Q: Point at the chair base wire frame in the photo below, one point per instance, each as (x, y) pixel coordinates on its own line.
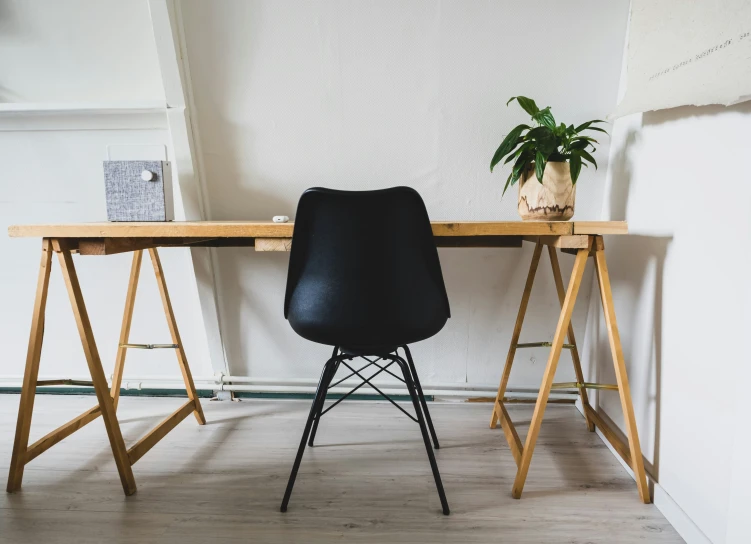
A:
(410, 380)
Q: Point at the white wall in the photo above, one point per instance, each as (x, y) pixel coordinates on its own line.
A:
(681, 291)
(51, 172)
(77, 51)
(367, 94)
(290, 95)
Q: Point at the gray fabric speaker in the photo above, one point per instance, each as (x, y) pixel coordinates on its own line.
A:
(138, 190)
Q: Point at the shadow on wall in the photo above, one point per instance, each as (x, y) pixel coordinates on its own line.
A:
(622, 173)
(637, 267)
(636, 264)
(661, 117)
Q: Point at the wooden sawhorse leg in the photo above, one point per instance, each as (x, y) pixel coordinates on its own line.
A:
(106, 397)
(584, 247)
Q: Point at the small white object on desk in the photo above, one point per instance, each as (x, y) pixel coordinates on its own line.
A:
(147, 175)
(281, 219)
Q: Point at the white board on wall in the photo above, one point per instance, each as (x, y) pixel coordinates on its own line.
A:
(687, 52)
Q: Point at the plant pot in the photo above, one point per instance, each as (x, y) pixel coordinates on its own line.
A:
(551, 200)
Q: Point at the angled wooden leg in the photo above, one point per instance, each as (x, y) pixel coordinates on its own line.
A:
(497, 410)
(106, 403)
(130, 300)
(33, 354)
(571, 340)
(182, 360)
(547, 380)
(637, 462)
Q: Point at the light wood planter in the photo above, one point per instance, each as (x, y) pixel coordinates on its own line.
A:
(551, 200)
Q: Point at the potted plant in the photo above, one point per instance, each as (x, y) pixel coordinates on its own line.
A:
(554, 154)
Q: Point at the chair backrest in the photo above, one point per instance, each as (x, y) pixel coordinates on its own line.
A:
(366, 261)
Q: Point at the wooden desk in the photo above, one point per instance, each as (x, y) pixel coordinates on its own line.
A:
(580, 238)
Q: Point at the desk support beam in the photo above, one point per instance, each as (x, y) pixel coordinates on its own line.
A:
(572, 340)
(621, 376)
(106, 403)
(497, 412)
(33, 356)
(631, 453)
(552, 365)
(107, 396)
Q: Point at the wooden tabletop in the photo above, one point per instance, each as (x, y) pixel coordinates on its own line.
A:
(268, 229)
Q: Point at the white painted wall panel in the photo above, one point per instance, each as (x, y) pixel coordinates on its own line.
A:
(77, 51)
(679, 283)
(56, 176)
(362, 95)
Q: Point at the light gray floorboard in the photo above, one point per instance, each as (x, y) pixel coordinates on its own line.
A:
(367, 480)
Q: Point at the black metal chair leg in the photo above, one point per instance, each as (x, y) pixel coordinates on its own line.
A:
(325, 385)
(423, 429)
(320, 395)
(425, 410)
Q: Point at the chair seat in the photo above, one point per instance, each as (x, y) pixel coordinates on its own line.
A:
(362, 335)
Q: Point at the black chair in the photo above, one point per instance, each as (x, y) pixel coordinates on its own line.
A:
(364, 277)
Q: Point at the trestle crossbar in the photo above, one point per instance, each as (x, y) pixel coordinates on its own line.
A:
(149, 346)
(64, 381)
(543, 345)
(585, 385)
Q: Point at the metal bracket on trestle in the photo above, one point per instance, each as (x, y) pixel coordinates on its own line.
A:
(42, 383)
(543, 345)
(585, 385)
(150, 346)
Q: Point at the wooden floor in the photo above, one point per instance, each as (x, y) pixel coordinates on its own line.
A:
(367, 480)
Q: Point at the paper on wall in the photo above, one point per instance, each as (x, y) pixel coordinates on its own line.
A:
(687, 52)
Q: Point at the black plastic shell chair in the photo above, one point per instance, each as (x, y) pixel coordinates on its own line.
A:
(364, 277)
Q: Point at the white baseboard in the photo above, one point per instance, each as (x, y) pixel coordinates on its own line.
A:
(681, 522)
(439, 391)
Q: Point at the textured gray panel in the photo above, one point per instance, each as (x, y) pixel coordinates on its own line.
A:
(130, 198)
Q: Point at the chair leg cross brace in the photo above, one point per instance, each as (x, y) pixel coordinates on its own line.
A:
(107, 397)
(522, 453)
(421, 417)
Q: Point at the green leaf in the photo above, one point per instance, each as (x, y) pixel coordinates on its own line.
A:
(527, 104)
(541, 134)
(598, 129)
(508, 181)
(576, 167)
(579, 144)
(546, 140)
(521, 164)
(540, 162)
(508, 144)
(544, 117)
(524, 147)
(587, 124)
(536, 132)
(585, 138)
(584, 155)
